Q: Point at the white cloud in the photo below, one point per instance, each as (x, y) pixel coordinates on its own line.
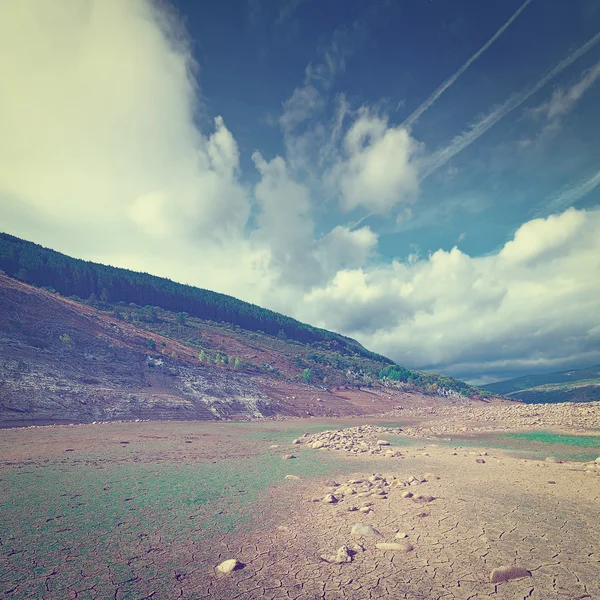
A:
(379, 167)
(563, 100)
(98, 102)
(535, 303)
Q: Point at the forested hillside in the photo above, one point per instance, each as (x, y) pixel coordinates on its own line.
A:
(223, 331)
(42, 267)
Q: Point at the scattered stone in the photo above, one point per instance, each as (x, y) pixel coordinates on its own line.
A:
(401, 535)
(227, 566)
(330, 499)
(365, 509)
(398, 546)
(292, 477)
(421, 498)
(287, 456)
(363, 530)
(340, 557)
(407, 494)
(507, 573)
(480, 461)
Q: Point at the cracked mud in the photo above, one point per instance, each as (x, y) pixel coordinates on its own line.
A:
(155, 518)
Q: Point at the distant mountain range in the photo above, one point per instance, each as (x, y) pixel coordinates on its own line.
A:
(575, 385)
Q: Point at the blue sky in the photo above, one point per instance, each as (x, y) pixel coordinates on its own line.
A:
(420, 175)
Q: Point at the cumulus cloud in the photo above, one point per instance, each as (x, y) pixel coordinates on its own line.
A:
(379, 167)
(98, 102)
(533, 304)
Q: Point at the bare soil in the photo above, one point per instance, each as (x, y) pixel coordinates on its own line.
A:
(149, 509)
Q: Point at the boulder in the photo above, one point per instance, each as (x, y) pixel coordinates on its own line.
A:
(508, 572)
(396, 546)
(363, 530)
(227, 566)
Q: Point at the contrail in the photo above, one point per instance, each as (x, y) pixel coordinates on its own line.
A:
(442, 88)
(462, 141)
(569, 195)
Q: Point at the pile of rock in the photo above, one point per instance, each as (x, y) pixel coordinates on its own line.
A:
(360, 494)
(356, 440)
(452, 420)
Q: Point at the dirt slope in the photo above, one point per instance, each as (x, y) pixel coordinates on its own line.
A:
(61, 360)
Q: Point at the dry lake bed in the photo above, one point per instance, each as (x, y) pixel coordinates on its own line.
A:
(151, 509)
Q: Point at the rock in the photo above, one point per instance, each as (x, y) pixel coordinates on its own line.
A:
(407, 494)
(292, 477)
(340, 557)
(397, 546)
(352, 509)
(554, 459)
(274, 446)
(287, 457)
(227, 566)
(597, 461)
(480, 461)
(401, 535)
(365, 509)
(383, 443)
(421, 498)
(296, 441)
(507, 573)
(329, 499)
(317, 445)
(363, 530)
(430, 477)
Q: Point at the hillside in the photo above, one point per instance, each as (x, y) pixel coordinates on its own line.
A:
(576, 385)
(32, 263)
(65, 358)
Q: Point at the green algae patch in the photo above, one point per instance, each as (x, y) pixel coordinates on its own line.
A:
(545, 437)
(78, 514)
(532, 444)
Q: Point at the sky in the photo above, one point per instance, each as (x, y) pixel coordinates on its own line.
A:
(421, 175)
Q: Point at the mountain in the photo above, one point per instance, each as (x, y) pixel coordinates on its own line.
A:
(576, 385)
(109, 357)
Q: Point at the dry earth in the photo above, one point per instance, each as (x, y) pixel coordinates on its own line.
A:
(456, 516)
(472, 512)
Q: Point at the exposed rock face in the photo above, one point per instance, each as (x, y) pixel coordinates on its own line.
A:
(62, 361)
